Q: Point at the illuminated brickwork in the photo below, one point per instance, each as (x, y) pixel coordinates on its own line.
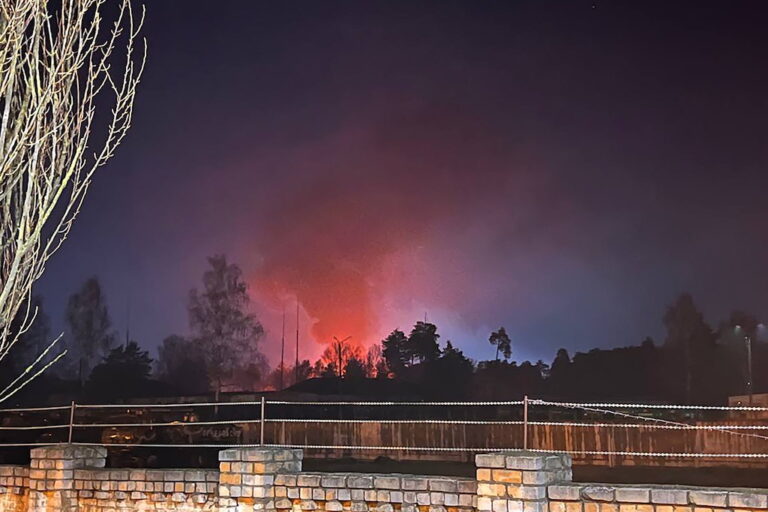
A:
(74, 479)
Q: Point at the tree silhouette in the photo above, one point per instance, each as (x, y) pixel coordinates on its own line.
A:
(338, 354)
(560, 373)
(690, 337)
(227, 333)
(422, 343)
(67, 103)
(355, 369)
(395, 351)
(124, 373)
(181, 364)
(502, 342)
(303, 372)
(449, 375)
(90, 327)
(375, 364)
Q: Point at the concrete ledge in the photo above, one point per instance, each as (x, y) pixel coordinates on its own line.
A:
(267, 479)
(745, 499)
(564, 492)
(669, 496)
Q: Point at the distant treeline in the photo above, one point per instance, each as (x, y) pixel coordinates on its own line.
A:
(695, 363)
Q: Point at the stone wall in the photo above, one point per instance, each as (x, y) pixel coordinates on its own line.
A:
(74, 479)
(517, 482)
(105, 490)
(70, 478)
(272, 479)
(601, 498)
(14, 488)
(534, 482)
(355, 492)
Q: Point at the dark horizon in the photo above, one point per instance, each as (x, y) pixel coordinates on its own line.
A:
(563, 169)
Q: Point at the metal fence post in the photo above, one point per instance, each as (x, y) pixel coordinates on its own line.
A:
(261, 423)
(71, 421)
(525, 422)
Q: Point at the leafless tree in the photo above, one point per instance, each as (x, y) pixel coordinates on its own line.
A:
(227, 333)
(57, 64)
(375, 364)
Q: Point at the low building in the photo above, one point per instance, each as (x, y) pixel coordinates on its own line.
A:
(757, 400)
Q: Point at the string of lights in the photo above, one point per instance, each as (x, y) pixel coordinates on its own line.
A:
(680, 426)
(534, 401)
(531, 402)
(724, 429)
(607, 409)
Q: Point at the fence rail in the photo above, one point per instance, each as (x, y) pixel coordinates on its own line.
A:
(588, 439)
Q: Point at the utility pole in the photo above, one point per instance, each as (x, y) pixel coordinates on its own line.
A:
(127, 321)
(748, 342)
(339, 346)
(282, 352)
(296, 368)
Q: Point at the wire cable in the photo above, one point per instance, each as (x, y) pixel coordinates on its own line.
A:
(533, 401)
(374, 404)
(33, 427)
(423, 448)
(643, 418)
(37, 409)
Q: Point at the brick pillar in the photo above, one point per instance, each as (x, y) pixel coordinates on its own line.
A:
(247, 476)
(517, 481)
(51, 475)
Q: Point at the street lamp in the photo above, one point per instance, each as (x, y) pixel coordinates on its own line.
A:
(748, 344)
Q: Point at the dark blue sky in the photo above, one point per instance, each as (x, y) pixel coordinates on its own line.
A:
(564, 169)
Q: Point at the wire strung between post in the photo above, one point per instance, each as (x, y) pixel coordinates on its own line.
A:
(725, 430)
(34, 427)
(165, 424)
(407, 448)
(403, 448)
(434, 422)
(37, 409)
(532, 401)
(680, 426)
(374, 404)
(162, 406)
(650, 406)
(602, 408)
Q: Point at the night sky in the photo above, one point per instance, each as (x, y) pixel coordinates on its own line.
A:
(564, 169)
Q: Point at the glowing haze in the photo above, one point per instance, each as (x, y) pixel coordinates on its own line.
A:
(563, 169)
(365, 242)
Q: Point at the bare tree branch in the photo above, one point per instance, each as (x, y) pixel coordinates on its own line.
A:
(55, 69)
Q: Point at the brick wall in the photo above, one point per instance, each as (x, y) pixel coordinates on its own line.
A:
(517, 482)
(266, 478)
(535, 482)
(626, 498)
(14, 488)
(69, 478)
(355, 492)
(73, 479)
(106, 490)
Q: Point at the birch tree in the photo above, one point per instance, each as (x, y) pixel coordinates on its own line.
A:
(61, 64)
(227, 333)
(90, 328)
